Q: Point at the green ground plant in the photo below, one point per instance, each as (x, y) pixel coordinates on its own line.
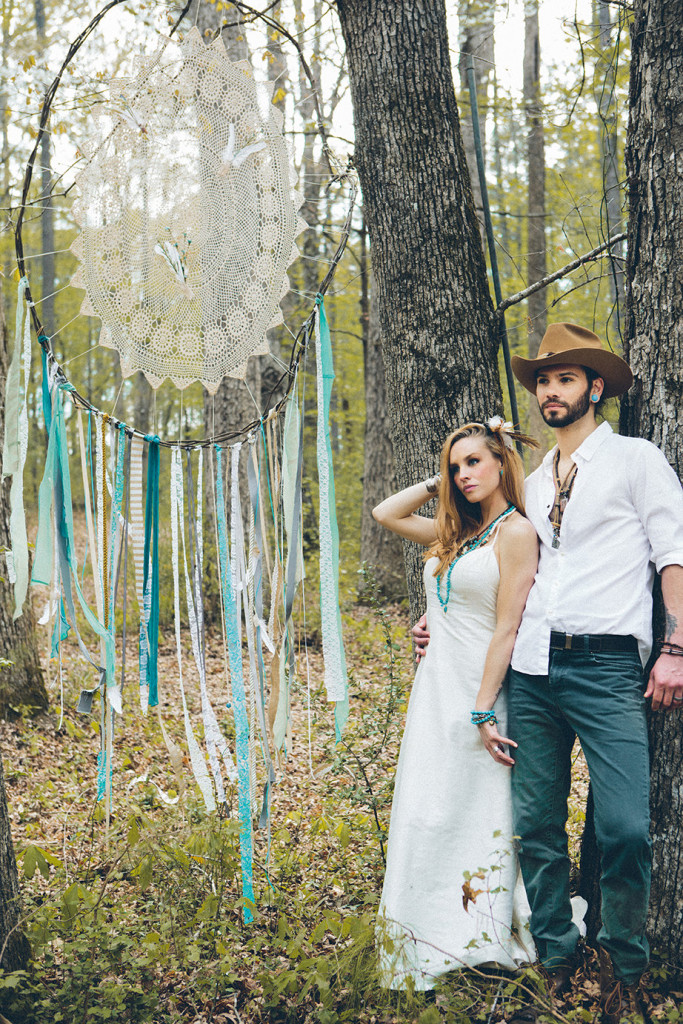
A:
(145, 925)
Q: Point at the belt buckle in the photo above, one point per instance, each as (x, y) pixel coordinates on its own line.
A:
(568, 641)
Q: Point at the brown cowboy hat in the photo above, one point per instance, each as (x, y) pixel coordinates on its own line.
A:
(570, 344)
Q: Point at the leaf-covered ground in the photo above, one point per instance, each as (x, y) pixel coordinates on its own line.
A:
(141, 920)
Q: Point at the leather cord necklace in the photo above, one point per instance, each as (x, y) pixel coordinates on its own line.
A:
(563, 490)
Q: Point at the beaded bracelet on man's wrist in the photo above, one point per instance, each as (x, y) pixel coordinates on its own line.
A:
(483, 718)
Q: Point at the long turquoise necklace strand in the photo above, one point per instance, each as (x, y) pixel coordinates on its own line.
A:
(468, 546)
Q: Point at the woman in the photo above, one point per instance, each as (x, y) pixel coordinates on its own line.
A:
(450, 896)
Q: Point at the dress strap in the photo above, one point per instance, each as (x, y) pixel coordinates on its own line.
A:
(493, 536)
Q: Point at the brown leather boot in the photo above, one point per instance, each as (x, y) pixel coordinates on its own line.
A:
(620, 1003)
(560, 982)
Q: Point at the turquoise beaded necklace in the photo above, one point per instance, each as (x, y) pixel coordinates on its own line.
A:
(469, 545)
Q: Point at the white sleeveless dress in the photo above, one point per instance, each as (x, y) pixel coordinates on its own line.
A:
(451, 811)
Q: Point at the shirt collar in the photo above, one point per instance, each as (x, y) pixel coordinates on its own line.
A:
(586, 449)
(589, 447)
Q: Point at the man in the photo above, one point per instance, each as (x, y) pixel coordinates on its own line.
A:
(608, 510)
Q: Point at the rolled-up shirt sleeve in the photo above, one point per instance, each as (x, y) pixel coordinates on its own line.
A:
(658, 499)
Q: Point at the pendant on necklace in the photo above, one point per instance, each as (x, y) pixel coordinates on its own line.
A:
(556, 541)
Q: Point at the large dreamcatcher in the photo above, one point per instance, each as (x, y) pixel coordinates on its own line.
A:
(187, 215)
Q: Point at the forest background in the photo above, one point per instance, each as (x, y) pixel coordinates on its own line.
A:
(554, 122)
(573, 106)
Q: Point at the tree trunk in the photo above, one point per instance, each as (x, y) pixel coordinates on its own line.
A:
(47, 218)
(21, 682)
(12, 939)
(537, 266)
(271, 371)
(380, 549)
(475, 37)
(653, 344)
(607, 111)
(309, 175)
(435, 311)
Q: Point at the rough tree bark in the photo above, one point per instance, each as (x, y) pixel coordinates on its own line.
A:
(47, 218)
(21, 682)
(537, 266)
(236, 402)
(278, 75)
(14, 946)
(309, 175)
(435, 310)
(475, 37)
(379, 548)
(653, 344)
(606, 74)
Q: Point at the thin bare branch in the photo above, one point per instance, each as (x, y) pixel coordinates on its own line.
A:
(574, 265)
(272, 23)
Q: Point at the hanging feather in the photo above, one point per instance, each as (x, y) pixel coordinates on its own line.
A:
(230, 158)
(171, 256)
(126, 113)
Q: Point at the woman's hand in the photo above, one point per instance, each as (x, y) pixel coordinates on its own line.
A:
(421, 638)
(494, 743)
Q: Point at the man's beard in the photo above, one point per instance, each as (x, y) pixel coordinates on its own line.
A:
(570, 414)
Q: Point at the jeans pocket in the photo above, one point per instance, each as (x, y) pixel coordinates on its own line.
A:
(621, 672)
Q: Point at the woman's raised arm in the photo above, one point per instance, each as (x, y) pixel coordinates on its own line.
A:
(397, 513)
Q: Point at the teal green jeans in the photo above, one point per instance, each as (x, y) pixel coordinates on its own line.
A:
(599, 698)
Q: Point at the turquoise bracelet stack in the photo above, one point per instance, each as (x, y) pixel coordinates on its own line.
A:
(483, 717)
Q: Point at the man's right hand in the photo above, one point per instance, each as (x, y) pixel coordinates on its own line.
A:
(421, 637)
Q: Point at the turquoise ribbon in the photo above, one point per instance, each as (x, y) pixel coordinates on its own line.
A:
(56, 486)
(151, 568)
(61, 627)
(330, 612)
(239, 700)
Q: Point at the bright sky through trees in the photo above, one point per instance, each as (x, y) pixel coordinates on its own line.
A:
(557, 29)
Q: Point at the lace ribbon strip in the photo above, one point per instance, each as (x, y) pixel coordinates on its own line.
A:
(121, 509)
(333, 645)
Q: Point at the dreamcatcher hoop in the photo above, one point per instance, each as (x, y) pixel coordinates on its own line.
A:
(112, 471)
(301, 338)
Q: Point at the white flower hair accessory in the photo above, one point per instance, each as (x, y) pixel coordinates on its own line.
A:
(497, 425)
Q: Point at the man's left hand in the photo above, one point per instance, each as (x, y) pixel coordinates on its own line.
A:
(665, 684)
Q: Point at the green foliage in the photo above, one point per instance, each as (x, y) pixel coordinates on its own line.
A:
(145, 926)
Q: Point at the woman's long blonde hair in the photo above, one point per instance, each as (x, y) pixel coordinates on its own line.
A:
(456, 518)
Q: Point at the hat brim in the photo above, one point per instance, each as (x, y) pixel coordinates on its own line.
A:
(614, 370)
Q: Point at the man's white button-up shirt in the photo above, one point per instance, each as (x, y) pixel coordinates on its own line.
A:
(624, 519)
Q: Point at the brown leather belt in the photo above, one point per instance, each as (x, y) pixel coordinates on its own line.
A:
(588, 643)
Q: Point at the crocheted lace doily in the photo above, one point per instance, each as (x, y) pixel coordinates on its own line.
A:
(188, 215)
